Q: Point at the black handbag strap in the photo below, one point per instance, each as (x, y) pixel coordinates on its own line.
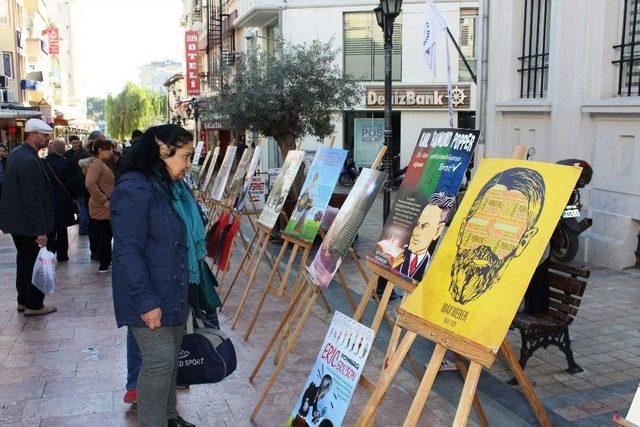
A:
(58, 179)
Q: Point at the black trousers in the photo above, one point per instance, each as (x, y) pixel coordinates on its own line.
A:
(102, 227)
(58, 242)
(93, 238)
(27, 253)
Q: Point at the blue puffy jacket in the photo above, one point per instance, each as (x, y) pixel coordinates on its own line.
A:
(150, 265)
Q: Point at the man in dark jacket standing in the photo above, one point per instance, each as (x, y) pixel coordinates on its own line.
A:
(26, 211)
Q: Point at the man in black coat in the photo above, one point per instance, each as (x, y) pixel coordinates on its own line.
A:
(26, 211)
(60, 173)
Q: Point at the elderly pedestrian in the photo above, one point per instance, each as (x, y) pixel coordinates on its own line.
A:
(60, 173)
(158, 240)
(27, 212)
(99, 182)
(83, 158)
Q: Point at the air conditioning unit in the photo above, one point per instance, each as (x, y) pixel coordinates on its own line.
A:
(4, 81)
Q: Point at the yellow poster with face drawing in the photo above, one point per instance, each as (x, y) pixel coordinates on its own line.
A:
(481, 271)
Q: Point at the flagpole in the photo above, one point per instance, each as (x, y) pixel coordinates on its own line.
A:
(464, 59)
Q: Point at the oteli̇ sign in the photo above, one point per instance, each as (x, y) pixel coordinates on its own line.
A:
(191, 52)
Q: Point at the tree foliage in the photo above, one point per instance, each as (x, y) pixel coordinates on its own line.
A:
(133, 108)
(289, 95)
(95, 108)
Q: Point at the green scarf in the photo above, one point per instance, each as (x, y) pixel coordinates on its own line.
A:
(186, 207)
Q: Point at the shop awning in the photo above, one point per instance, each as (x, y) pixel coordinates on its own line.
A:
(6, 113)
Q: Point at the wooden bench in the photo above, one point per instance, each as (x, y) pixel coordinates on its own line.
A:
(566, 287)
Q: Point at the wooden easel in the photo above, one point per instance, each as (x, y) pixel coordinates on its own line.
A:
(281, 291)
(479, 356)
(303, 301)
(306, 291)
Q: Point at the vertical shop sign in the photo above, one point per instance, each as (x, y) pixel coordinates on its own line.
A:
(191, 52)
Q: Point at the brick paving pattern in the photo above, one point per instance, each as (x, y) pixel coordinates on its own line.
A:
(69, 368)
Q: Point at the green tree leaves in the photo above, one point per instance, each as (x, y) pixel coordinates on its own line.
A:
(133, 108)
(289, 95)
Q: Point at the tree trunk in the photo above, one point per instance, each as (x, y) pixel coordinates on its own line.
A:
(286, 143)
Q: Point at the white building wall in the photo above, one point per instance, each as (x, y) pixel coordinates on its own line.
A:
(581, 117)
(305, 21)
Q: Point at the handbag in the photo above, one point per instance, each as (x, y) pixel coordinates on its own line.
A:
(208, 299)
(206, 356)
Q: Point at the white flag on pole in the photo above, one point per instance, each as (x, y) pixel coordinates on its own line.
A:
(434, 28)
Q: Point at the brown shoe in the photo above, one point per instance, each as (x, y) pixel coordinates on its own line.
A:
(46, 309)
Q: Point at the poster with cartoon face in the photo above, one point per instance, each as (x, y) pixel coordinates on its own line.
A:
(223, 174)
(316, 192)
(425, 201)
(485, 262)
(335, 374)
(280, 188)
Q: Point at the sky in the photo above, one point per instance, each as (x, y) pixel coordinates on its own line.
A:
(112, 38)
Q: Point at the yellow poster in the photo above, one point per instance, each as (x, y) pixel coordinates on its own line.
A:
(481, 271)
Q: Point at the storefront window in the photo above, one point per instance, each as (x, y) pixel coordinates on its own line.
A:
(363, 127)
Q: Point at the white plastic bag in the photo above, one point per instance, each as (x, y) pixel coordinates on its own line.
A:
(44, 271)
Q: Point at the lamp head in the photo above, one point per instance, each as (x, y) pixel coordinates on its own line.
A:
(391, 8)
(379, 15)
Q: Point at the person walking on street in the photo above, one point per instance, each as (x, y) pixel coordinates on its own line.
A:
(76, 185)
(27, 212)
(59, 171)
(83, 158)
(158, 240)
(99, 183)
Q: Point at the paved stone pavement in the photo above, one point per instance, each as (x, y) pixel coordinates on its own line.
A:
(69, 368)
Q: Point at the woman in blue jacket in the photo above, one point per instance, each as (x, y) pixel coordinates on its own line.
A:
(158, 241)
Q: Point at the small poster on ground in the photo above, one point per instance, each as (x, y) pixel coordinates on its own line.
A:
(316, 192)
(248, 179)
(481, 271)
(223, 174)
(345, 226)
(280, 188)
(210, 168)
(426, 198)
(368, 138)
(335, 374)
(233, 188)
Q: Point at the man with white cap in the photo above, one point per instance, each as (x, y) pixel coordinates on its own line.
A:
(27, 212)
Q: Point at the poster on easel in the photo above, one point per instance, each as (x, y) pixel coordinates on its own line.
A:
(257, 194)
(223, 174)
(345, 226)
(322, 177)
(198, 152)
(210, 168)
(234, 186)
(248, 179)
(335, 374)
(425, 200)
(280, 188)
(481, 271)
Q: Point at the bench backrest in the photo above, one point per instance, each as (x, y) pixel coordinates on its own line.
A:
(566, 287)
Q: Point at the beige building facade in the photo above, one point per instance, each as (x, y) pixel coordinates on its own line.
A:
(561, 78)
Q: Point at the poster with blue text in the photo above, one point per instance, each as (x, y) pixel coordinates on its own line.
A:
(368, 138)
(316, 192)
(335, 374)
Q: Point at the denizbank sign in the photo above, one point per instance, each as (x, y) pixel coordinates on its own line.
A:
(428, 97)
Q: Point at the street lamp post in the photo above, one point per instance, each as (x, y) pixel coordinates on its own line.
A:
(193, 110)
(386, 13)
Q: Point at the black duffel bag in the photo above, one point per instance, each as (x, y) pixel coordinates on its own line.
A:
(206, 356)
